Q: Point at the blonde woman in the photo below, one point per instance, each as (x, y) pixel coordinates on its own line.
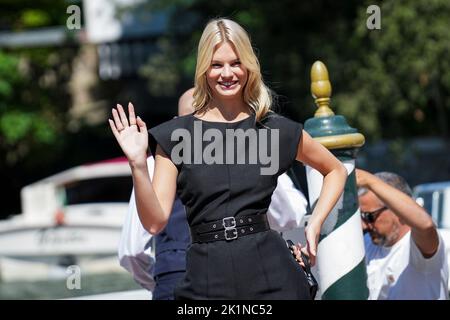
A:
(223, 161)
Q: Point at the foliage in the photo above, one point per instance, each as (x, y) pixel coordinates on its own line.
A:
(398, 80)
(34, 99)
(388, 83)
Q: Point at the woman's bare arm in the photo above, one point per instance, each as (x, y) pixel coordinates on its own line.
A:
(154, 200)
(313, 154)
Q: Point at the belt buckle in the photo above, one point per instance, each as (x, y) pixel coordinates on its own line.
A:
(229, 223)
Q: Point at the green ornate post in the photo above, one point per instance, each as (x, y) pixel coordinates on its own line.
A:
(340, 264)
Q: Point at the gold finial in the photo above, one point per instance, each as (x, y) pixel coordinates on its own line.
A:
(321, 89)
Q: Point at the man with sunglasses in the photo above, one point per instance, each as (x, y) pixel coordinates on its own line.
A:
(405, 255)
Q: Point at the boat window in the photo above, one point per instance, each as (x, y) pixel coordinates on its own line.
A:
(440, 210)
(446, 209)
(110, 189)
(433, 203)
(425, 199)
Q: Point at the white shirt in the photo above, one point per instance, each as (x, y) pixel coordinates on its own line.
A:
(135, 250)
(401, 272)
(286, 211)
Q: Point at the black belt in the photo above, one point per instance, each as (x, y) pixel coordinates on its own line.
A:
(229, 228)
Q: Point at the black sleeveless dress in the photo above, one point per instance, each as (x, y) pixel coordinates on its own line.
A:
(255, 266)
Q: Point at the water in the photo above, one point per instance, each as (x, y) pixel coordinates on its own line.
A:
(57, 289)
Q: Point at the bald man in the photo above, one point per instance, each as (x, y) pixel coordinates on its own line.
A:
(405, 255)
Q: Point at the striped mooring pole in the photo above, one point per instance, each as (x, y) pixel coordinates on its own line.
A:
(340, 267)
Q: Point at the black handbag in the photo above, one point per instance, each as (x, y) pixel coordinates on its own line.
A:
(312, 282)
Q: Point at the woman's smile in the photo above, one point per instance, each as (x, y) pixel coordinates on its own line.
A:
(227, 76)
(227, 85)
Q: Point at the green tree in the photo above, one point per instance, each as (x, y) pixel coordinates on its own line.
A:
(392, 82)
(34, 98)
(398, 79)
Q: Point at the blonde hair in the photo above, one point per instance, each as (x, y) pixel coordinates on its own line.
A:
(256, 94)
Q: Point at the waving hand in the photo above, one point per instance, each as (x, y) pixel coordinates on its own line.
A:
(131, 133)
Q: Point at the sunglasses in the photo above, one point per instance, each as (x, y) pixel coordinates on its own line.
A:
(371, 216)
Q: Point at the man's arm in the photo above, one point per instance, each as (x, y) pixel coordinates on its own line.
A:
(423, 230)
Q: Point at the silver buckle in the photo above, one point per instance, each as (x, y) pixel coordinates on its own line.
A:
(229, 223)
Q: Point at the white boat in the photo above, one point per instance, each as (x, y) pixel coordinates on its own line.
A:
(435, 198)
(70, 218)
